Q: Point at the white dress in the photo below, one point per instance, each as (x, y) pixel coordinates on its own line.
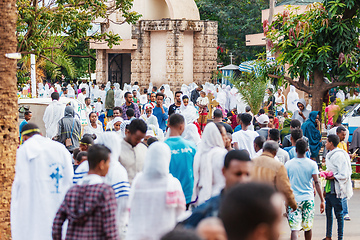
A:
(43, 176)
(53, 113)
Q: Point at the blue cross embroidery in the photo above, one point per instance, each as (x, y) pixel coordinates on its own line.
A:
(57, 176)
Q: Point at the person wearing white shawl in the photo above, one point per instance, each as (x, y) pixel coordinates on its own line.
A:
(115, 125)
(156, 197)
(188, 110)
(116, 177)
(148, 116)
(208, 164)
(53, 113)
(292, 99)
(191, 133)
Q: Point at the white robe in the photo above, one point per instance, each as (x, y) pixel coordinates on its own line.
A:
(86, 86)
(43, 176)
(53, 113)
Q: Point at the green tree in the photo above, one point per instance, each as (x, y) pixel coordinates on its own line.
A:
(251, 88)
(321, 46)
(236, 19)
(52, 29)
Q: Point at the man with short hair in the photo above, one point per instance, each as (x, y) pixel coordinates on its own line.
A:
(237, 168)
(117, 112)
(81, 96)
(195, 94)
(294, 136)
(268, 170)
(218, 118)
(27, 117)
(176, 105)
(258, 144)
(302, 114)
(88, 108)
(302, 171)
(85, 85)
(338, 186)
(43, 174)
(52, 115)
(263, 121)
(282, 155)
(160, 111)
(64, 92)
(133, 152)
(252, 211)
(294, 124)
(271, 99)
(244, 138)
(129, 104)
(135, 98)
(182, 155)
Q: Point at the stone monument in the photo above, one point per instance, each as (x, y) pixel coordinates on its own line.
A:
(168, 45)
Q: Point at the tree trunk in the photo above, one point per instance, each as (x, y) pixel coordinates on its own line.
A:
(8, 107)
(317, 91)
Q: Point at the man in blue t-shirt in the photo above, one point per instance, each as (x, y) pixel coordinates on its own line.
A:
(161, 112)
(27, 116)
(302, 171)
(182, 155)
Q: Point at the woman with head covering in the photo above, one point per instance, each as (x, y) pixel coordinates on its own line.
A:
(208, 163)
(95, 126)
(148, 117)
(69, 129)
(292, 99)
(188, 110)
(156, 197)
(191, 133)
(311, 130)
(115, 124)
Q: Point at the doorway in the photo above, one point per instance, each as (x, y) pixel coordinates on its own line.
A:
(119, 68)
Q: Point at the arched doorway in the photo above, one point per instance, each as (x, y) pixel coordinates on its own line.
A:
(119, 68)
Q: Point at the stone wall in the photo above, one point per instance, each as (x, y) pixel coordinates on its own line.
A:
(204, 50)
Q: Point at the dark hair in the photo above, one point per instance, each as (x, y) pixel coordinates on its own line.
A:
(270, 89)
(30, 126)
(145, 91)
(271, 112)
(87, 139)
(93, 136)
(301, 146)
(80, 155)
(55, 96)
(229, 114)
(130, 113)
(274, 134)
(340, 129)
(296, 134)
(136, 83)
(64, 89)
(96, 154)
(76, 152)
(181, 234)
(334, 139)
(259, 140)
(271, 117)
(246, 118)
(261, 111)
(134, 90)
(176, 119)
(332, 99)
(92, 113)
(178, 92)
(118, 108)
(159, 94)
(154, 88)
(295, 123)
(185, 97)
(339, 119)
(83, 89)
(200, 86)
(137, 125)
(246, 206)
(86, 98)
(27, 112)
(239, 155)
(218, 113)
(126, 94)
(162, 88)
(151, 140)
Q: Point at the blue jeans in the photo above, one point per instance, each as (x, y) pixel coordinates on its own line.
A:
(345, 206)
(331, 201)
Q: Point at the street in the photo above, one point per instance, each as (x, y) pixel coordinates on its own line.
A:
(351, 229)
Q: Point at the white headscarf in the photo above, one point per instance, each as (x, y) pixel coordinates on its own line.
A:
(208, 158)
(292, 99)
(156, 197)
(189, 112)
(115, 120)
(191, 133)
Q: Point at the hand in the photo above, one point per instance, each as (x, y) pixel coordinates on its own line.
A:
(352, 156)
(330, 178)
(322, 207)
(301, 113)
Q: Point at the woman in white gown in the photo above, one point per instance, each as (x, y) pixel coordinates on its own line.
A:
(156, 197)
(208, 163)
(95, 126)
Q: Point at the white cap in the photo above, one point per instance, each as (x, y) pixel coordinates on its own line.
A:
(263, 119)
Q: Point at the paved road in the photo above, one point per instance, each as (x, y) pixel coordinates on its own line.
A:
(351, 230)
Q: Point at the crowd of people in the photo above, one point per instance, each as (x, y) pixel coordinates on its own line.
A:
(159, 167)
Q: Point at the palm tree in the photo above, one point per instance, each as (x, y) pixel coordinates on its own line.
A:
(8, 108)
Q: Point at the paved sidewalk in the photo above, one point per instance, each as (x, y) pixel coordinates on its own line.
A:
(351, 229)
